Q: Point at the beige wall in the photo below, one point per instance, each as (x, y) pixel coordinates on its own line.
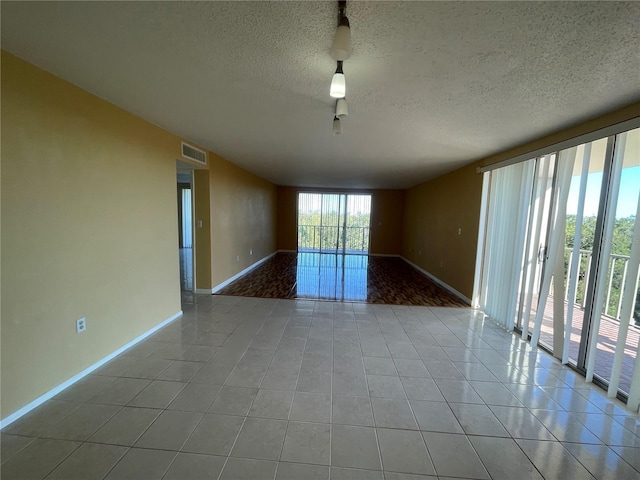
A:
(89, 229)
(387, 207)
(386, 218)
(434, 213)
(243, 219)
(202, 213)
(436, 209)
(287, 236)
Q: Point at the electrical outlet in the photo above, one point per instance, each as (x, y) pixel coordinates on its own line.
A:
(238, 258)
(459, 231)
(81, 325)
(251, 251)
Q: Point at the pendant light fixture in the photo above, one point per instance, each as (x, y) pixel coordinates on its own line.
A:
(337, 127)
(341, 48)
(340, 51)
(338, 83)
(341, 108)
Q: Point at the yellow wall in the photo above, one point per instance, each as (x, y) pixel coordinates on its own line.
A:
(386, 218)
(434, 213)
(287, 235)
(387, 207)
(202, 213)
(243, 218)
(436, 209)
(89, 229)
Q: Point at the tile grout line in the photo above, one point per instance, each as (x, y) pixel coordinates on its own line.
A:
(228, 456)
(366, 381)
(286, 431)
(331, 398)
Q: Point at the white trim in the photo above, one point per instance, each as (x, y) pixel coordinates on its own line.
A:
(193, 232)
(571, 142)
(203, 291)
(438, 281)
(220, 286)
(397, 255)
(67, 383)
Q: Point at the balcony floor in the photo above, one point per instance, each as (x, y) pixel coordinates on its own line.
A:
(607, 338)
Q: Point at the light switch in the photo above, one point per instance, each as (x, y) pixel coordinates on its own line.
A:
(199, 223)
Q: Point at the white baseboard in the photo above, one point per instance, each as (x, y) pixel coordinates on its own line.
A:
(220, 286)
(365, 254)
(204, 291)
(438, 281)
(66, 384)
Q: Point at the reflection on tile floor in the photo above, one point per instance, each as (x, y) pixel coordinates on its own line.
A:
(349, 278)
(257, 388)
(186, 269)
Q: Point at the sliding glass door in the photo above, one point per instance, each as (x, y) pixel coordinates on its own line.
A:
(334, 223)
(618, 296)
(562, 229)
(536, 241)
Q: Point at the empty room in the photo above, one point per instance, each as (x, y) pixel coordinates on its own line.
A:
(329, 240)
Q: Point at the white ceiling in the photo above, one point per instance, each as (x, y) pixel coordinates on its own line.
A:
(431, 86)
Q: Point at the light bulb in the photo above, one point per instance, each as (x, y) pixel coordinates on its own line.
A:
(338, 83)
(337, 127)
(341, 48)
(341, 108)
(338, 86)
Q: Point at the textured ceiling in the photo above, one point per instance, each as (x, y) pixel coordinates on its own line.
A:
(431, 86)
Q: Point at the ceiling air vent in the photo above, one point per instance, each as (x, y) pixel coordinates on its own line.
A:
(193, 153)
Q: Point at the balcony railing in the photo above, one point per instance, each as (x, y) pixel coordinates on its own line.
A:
(617, 275)
(316, 238)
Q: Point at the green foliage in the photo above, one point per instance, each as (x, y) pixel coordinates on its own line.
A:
(332, 233)
(621, 243)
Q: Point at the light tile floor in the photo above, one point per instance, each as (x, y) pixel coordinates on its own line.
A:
(249, 388)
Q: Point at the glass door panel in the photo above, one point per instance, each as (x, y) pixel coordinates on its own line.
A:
(568, 232)
(331, 222)
(581, 212)
(357, 224)
(536, 241)
(620, 313)
(309, 221)
(334, 223)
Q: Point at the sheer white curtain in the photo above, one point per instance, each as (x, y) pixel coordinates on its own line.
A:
(510, 192)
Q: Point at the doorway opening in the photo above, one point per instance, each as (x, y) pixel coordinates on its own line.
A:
(185, 230)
